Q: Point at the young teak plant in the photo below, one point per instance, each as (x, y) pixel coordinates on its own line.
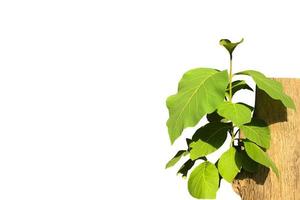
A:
(205, 91)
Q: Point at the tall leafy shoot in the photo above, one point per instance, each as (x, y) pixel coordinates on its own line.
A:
(208, 92)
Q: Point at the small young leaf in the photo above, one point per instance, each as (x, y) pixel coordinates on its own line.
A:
(257, 131)
(184, 169)
(208, 139)
(230, 46)
(237, 113)
(258, 155)
(203, 182)
(247, 163)
(176, 158)
(238, 85)
(200, 91)
(273, 88)
(229, 164)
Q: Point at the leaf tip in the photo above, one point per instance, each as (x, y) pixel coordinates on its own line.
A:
(224, 42)
(293, 107)
(182, 175)
(172, 138)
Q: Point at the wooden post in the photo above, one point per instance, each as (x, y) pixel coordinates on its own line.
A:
(285, 149)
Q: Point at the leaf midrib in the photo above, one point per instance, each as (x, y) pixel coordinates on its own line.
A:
(204, 179)
(193, 96)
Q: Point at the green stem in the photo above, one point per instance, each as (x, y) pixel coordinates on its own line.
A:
(230, 79)
(233, 134)
(232, 138)
(230, 97)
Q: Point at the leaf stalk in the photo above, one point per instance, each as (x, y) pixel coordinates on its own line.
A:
(230, 79)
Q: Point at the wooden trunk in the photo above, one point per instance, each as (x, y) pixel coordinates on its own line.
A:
(285, 150)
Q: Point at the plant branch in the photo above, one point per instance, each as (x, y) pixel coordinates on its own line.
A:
(230, 79)
(232, 137)
(230, 98)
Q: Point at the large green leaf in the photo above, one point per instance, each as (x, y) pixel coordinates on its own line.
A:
(208, 139)
(238, 85)
(258, 132)
(273, 88)
(247, 163)
(204, 181)
(258, 155)
(176, 158)
(237, 113)
(200, 91)
(229, 164)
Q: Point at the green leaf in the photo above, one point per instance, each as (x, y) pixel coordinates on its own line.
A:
(238, 85)
(248, 106)
(273, 88)
(176, 158)
(184, 169)
(200, 92)
(229, 164)
(214, 117)
(230, 46)
(208, 139)
(237, 113)
(247, 163)
(258, 155)
(257, 131)
(188, 142)
(203, 182)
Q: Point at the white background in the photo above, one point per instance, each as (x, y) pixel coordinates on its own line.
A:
(83, 87)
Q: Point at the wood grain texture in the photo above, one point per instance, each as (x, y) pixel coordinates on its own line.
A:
(285, 150)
